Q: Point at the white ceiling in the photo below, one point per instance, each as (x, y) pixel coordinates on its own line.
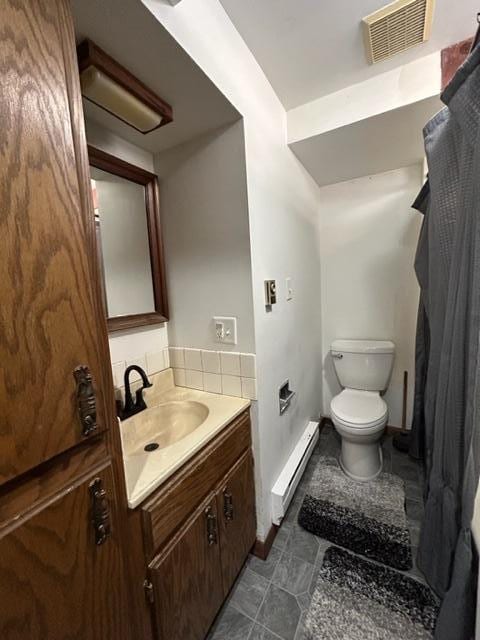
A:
(309, 48)
(132, 35)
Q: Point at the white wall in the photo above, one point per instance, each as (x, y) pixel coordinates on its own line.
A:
(131, 345)
(369, 236)
(283, 216)
(203, 197)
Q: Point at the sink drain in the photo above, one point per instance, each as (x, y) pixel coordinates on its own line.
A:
(151, 446)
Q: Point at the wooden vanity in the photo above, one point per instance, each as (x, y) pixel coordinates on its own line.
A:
(198, 529)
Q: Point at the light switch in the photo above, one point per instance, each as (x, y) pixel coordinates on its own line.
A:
(225, 329)
(289, 288)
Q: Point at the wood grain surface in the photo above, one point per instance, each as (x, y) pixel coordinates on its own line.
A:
(237, 532)
(49, 312)
(55, 583)
(187, 581)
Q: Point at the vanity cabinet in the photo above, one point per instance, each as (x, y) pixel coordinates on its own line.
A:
(198, 530)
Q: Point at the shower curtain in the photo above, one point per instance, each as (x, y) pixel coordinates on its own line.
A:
(446, 426)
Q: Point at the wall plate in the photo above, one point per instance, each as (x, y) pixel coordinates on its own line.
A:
(225, 329)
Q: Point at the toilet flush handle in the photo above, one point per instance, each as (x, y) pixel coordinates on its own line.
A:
(337, 356)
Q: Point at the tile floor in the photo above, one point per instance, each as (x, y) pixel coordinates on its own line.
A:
(270, 598)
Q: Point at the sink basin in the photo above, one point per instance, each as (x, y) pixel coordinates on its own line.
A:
(166, 424)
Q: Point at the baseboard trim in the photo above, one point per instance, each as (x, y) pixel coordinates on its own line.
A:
(261, 548)
(325, 422)
(393, 430)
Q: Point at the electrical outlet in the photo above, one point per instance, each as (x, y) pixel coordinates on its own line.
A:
(225, 329)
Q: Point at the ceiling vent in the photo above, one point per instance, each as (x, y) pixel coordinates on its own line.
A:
(397, 27)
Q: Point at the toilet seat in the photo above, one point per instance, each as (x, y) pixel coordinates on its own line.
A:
(359, 411)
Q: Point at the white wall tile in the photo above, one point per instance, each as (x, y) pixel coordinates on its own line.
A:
(249, 388)
(118, 369)
(232, 386)
(193, 359)
(211, 361)
(179, 377)
(177, 357)
(230, 363)
(194, 379)
(212, 382)
(155, 361)
(140, 362)
(247, 365)
(166, 358)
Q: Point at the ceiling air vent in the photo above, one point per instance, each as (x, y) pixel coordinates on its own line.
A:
(397, 27)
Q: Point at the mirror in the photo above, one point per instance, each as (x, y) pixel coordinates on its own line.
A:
(129, 247)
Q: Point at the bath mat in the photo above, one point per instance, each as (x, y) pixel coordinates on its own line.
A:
(355, 599)
(366, 517)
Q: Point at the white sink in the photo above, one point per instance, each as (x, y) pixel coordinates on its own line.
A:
(165, 424)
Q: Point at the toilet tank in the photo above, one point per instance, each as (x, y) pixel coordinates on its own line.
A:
(363, 364)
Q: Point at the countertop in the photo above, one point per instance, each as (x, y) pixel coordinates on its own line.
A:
(146, 471)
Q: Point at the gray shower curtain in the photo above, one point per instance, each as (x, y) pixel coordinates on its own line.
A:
(446, 427)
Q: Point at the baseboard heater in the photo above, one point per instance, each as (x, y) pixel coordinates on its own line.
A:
(292, 472)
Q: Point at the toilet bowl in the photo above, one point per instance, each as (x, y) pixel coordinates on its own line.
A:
(360, 418)
(358, 412)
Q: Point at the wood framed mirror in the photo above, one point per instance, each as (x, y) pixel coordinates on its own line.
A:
(129, 242)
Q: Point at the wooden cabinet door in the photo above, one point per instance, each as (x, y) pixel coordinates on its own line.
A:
(56, 583)
(187, 578)
(237, 521)
(51, 319)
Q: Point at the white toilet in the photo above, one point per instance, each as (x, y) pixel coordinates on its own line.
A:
(359, 413)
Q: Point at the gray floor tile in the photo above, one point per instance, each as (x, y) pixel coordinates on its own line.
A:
(302, 544)
(231, 625)
(322, 547)
(304, 600)
(282, 536)
(413, 490)
(261, 633)
(248, 593)
(293, 574)
(415, 510)
(280, 613)
(266, 567)
(293, 509)
(313, 582)
(301, 630)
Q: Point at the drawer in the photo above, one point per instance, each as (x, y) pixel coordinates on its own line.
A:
(174, 501)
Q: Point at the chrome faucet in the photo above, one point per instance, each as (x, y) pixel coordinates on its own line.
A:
(130, 407)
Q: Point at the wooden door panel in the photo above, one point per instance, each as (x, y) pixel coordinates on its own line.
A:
(49, 313)
(237, 521)
(187, 581)
(55, 582)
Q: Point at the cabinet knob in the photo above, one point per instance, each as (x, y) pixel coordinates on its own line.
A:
(227, 505)
(86, 401)
(212, 534)
(100, 511)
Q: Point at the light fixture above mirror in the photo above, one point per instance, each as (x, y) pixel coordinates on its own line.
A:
(110, 86)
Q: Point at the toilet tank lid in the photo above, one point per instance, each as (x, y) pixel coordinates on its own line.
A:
(363, 346)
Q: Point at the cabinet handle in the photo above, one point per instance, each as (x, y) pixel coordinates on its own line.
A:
(227, 505)
(212, 535)
(100, 511)
(86, 402)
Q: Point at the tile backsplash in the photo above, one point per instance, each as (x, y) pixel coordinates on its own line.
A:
(227, 373)
(151, 362)
(231, 374)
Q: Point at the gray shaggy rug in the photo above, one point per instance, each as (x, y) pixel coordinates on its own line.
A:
(366, 517)
(355, 599)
